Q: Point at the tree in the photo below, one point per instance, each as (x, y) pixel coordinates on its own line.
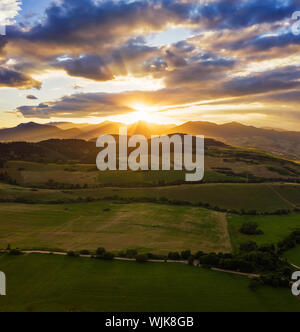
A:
(141, 258)
(100, 251)
(248, 246)
(251, 228)
(71, 254)
(185, 255)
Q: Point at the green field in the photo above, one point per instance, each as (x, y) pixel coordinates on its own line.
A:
(147, 227)
(31, 174)
(275, 228)
(238, 197)
(53, 283)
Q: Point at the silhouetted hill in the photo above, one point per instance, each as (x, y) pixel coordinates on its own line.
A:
(284, 143)
(34, 132)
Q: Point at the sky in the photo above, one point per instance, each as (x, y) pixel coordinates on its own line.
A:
(163, 61)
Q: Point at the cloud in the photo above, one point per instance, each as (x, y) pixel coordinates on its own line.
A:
(16, 79)
(8, 10)
(79, 105)
(280, 79)
(88, 66)
(31, 97)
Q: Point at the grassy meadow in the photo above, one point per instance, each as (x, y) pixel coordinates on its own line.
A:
(54, 283)
(155, 228)
(275, 228)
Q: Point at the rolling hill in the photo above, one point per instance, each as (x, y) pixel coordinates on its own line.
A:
(34, 132)
(284, 143)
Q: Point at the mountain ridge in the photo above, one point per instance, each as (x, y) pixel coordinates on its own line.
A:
(283, 143)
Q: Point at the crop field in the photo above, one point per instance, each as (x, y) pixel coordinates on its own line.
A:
(54, 283)
(237, 197)
(31, 174)
(275, 228)
(146, 227)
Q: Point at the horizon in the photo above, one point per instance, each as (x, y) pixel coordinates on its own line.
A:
(54, 123)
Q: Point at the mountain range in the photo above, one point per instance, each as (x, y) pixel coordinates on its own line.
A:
(283, 143)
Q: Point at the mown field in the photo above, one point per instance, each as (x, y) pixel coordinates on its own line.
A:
(52, 283)
(244, 198)
(275, 228)
(146, 227)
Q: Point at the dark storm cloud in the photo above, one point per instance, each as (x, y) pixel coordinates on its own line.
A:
(79, 105)
(232, 14)
(88, 66)
(265, 43)
(280, 79)
(18, 80)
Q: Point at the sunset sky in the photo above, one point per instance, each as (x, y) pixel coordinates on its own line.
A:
(164, 61)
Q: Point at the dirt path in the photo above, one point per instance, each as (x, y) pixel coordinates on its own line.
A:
(281, 197)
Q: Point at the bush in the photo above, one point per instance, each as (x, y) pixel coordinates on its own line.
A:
(131, 253)
(141, 258)
(174, 256)
(85, 252)
(72, 254)
(248, 246)
(250, 228)
(100, 251)
(15, 252)
(185, 255)
(191, 260)
(107, 256)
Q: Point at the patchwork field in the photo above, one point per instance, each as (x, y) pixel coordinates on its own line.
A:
(52, 283)
(237, 197)
(31, 174)
(146, 227)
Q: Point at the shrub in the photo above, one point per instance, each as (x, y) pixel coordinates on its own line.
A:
(248, 246)
(15, 252)
(131, 253)
(100, 251)
(251, 228)
(185, 255)
(141, 258)
(107, 256)
(84, 252)
(191, 260)
(72, 254)
(174, 256)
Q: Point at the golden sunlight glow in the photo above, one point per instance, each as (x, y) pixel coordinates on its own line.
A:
(143, 112)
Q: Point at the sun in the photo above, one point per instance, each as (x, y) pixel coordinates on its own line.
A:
(143, 112)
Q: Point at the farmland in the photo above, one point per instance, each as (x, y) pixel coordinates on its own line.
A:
(275, 228)
(52, 283)
(145, 227)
